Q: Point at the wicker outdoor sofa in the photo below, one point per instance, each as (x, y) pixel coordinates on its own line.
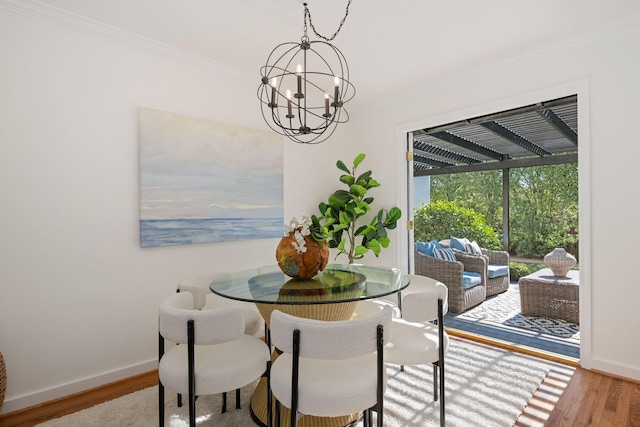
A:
(498, 284)
(495, 285)
(450, 273)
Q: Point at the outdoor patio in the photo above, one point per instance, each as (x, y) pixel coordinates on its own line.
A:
(499, 317)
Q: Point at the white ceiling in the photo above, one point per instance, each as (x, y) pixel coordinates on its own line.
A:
(387, 44)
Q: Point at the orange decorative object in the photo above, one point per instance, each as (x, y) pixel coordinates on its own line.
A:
(301, 261)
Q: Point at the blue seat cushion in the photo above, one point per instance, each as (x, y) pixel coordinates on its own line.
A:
(426, 248)
(496, 270)
(470, 279)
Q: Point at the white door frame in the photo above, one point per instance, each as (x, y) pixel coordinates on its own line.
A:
(405, 189)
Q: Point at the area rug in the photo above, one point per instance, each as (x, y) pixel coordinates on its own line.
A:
(504, 308)
(485, 387)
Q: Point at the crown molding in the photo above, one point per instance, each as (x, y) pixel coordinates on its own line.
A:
(609, 31)
(91, 27)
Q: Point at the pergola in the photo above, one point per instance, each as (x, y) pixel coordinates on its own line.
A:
(545, 133)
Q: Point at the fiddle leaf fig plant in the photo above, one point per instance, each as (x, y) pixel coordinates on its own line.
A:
(341, 219)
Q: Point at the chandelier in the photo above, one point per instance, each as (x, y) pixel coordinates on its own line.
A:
(304, 87)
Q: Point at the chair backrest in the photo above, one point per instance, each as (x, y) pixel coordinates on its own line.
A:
(199, 287)
(422, 306)
(202, 281)
(211, 325)
(330, 340)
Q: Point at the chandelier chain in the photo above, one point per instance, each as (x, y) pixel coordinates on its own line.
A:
(308, 13)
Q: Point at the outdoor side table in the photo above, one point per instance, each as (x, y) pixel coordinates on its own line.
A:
(544, 295)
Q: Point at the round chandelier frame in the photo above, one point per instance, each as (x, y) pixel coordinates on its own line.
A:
(304, 87)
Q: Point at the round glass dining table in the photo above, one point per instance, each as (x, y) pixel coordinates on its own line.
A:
(331, 295)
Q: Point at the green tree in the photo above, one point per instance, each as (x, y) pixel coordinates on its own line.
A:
(544, 209)
(479, 191)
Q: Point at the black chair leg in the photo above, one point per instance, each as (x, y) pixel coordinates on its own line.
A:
(224, 402)
(179, 398)
(192, 410)
(435, 382)
(442, 419)
(238, 399)
(161, 404)
(277, 413)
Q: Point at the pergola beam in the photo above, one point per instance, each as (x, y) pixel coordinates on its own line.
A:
(560, 125)
(506, 164)
(505, 133)
(465, 143)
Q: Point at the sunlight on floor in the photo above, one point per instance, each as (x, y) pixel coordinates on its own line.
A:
(544, 400)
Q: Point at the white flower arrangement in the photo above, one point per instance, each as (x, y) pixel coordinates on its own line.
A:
(300, 230)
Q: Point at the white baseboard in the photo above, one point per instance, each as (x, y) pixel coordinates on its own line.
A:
(616, 369)
(21, 402)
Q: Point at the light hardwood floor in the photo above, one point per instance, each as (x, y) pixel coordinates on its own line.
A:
(568, 396)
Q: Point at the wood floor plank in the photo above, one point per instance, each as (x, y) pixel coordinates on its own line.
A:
(585, 412)
(634, 407)
(601, 397)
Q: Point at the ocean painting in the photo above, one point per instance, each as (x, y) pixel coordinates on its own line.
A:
(202, 181)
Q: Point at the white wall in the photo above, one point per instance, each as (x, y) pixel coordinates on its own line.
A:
(78, 296)
(604, 69)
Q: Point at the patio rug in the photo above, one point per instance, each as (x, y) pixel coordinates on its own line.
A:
(505, 309)
(485, 387)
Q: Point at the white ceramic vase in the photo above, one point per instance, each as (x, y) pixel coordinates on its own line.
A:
(560, 262)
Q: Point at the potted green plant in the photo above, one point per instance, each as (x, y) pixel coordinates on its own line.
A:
(341, 219)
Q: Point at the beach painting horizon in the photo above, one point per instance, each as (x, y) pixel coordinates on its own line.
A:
(203, 181)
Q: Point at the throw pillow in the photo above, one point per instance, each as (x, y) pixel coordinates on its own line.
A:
(473, 248)
(427, 248)
(459, 244)
(445, 254)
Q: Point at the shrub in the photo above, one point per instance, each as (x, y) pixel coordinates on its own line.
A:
(442, 219)
(518, 270)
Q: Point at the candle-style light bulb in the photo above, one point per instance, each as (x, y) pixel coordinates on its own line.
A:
(299, 77)
(289, 114)
(336, 92)
(274, 83)
(326, 105)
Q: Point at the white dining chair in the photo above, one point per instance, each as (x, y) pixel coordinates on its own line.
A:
(419, 338)
(329, 368)
(213, 354)
(199, 285)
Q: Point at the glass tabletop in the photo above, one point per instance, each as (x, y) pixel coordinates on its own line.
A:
(336, 283)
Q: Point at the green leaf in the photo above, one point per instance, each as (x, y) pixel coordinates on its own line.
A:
(344, 218)
(373, 183)
(364, 177)
(368, 200)
(343, 167)
(374, 245)
(359, 158)
(340, 228)
(343, 195)
(347, 179)
(358, 190)
(394, 214)
(360, 230)
(361, 250)
(384, 241)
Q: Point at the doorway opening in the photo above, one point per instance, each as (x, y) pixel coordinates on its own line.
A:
(503, 166)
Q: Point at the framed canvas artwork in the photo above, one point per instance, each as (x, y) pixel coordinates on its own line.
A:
(202, 181)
